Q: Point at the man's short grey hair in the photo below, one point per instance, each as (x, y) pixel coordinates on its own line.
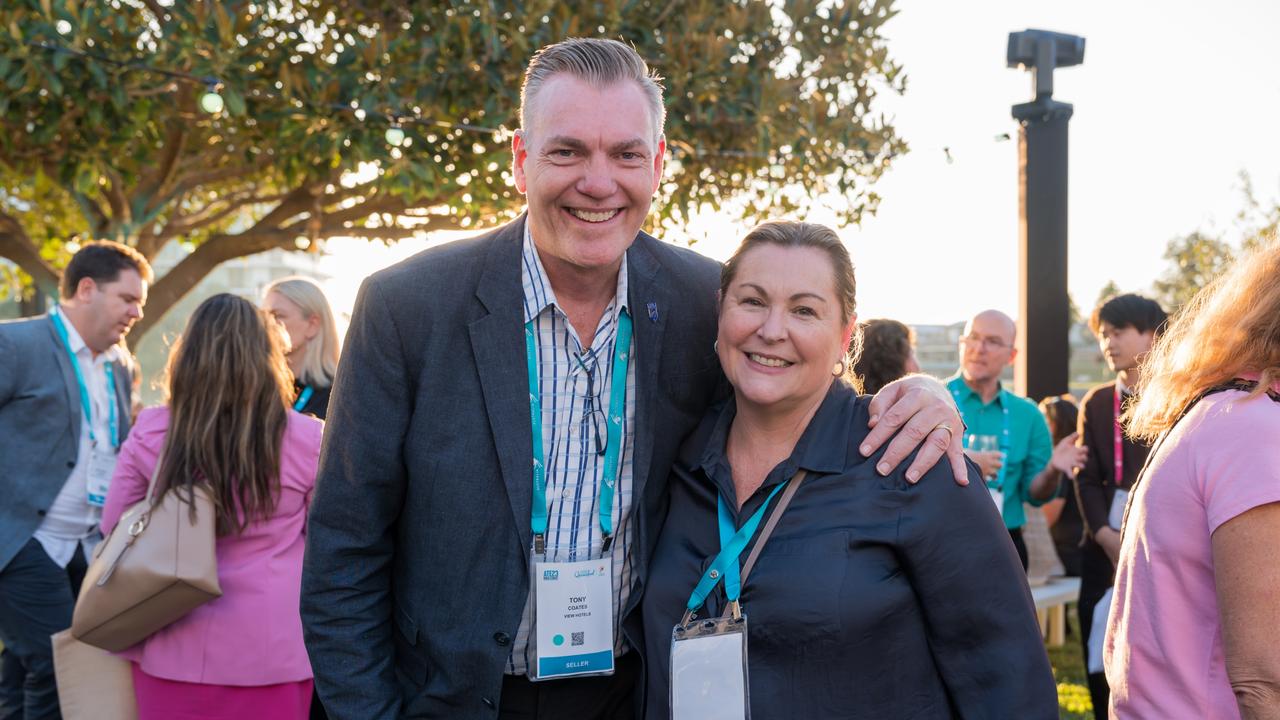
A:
(601, 63)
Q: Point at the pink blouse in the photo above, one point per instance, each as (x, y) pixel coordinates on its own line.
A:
(252, 635)
(1163, 650)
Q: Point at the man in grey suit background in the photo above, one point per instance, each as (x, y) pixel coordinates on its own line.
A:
(65, 401)
(460, 451)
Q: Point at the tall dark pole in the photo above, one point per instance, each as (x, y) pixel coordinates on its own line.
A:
(1044, 313)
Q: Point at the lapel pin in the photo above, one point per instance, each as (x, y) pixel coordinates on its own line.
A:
(653, 311)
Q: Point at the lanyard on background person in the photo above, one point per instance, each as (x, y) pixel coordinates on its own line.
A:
(303, 398)
(85, 404)
(1118, 436)
(613, 442)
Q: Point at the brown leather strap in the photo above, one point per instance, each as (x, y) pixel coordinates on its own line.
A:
(769, 524)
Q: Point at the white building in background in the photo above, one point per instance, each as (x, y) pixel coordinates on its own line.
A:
(246, 277)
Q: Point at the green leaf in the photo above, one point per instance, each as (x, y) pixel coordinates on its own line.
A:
(234, 101)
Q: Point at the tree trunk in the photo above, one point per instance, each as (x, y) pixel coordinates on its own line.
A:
(167, 291)
(18, 248)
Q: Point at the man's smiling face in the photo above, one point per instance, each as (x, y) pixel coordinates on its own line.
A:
(588, 165)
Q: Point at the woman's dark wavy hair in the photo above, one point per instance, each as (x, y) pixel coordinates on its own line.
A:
(886, 347)
(228, 391)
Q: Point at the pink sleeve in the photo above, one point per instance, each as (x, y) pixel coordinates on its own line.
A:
(133, 468)
(307, 433)
(1239, 468)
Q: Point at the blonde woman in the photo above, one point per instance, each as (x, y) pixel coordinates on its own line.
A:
(299, 305)
(1192, 631)
(227, 425)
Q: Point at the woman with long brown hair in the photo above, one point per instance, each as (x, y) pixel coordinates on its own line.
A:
(1192, 631)
(228, 427)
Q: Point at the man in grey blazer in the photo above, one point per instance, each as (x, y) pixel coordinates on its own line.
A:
(65, 402)
(469, 467)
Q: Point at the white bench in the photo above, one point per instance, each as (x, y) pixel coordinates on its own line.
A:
(1051, 600)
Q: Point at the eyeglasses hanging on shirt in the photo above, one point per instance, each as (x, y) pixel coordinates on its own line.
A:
(594, 411)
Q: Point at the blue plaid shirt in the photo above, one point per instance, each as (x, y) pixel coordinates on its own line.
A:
(575, 381)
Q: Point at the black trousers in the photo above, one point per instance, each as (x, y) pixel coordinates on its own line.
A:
(1096, 575)
(611, 697)
(36, 601)
(1015, 534)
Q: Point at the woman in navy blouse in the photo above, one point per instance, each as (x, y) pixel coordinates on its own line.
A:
(872, 598)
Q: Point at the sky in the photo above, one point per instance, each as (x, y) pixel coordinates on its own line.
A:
(1173, 101)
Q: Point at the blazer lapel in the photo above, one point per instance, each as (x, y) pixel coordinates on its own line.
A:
(650, 305)
(124, 396)
(63, 359)
(497, 341)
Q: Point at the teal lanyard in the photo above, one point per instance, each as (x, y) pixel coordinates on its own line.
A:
(84, 388)
(303, 398)
(613, 446)
(725, 564)
(1004, 431)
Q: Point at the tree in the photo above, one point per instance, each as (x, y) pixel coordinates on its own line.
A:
(1197, 259)
(103, 135)
(1108, 291)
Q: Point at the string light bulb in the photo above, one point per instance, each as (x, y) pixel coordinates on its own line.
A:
(394, 135)
(211, 102)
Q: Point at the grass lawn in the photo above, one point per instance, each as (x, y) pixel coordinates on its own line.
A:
(1068, 669)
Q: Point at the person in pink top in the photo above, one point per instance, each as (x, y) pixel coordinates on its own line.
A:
(228, 424)
(1193, 626)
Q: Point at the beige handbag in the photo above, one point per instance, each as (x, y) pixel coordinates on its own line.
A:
(93, 684)
(156, 566)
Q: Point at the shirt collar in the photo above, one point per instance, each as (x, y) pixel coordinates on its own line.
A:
(538, 293)
(961, 390)
(823, 447)
(1123, 389)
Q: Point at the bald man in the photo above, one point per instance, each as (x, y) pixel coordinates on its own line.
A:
(1007, 437)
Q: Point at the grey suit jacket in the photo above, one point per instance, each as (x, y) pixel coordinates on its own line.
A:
(416, 568)
(40, 418)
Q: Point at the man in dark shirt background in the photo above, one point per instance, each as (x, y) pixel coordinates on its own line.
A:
(1126, 326)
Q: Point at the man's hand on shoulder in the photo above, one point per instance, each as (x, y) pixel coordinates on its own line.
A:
(922, 409)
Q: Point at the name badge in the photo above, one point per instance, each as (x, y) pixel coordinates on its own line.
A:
(573, 618)
(1115, 518)
(709, 670)
(102, 465)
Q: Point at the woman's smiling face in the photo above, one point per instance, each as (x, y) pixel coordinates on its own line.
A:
(781, 327)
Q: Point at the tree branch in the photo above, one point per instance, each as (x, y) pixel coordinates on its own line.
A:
(151, 188)
(195, 180)
(396, 232)
(175, 284)
(17, 246)
(156, 9)
(377, 204)
(93, 212)
(205, 216)
(114, 191)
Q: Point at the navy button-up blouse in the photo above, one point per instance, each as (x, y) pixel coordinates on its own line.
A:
(873, 598)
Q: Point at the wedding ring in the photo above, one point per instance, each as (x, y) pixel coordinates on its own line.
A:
(950, 433)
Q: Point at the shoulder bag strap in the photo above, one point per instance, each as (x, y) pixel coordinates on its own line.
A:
(772, 522)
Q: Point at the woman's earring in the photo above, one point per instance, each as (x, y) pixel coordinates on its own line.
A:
(715, 347)
(838, 369)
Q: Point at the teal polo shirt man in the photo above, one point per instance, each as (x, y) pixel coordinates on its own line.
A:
(1018, 469)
